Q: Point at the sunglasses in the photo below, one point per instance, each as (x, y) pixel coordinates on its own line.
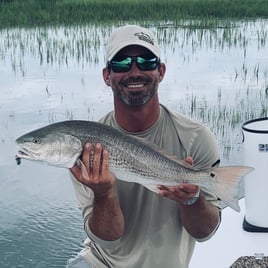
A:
(122, 64)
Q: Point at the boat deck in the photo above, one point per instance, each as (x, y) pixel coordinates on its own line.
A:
(230, 243)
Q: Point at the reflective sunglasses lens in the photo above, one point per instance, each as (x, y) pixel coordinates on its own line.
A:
(121, 66)
(144, 63)
(147, 64)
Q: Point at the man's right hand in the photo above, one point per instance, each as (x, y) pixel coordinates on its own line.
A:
(95, 172)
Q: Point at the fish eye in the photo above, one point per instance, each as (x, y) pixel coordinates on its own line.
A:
(36, 141)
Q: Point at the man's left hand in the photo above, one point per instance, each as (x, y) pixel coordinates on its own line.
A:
(182, 192)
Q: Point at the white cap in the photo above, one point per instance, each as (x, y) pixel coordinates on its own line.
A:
(131, 35)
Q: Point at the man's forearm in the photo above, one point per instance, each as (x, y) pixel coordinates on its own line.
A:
(201, 218)
(107, 220)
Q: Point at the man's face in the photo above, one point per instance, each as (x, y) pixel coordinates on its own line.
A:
(135, 87)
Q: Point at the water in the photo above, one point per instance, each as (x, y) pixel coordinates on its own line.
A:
(217, 75)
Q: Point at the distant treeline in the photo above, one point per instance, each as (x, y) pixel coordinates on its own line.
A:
(15, 13)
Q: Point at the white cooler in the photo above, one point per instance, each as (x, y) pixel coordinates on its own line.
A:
(255, 148)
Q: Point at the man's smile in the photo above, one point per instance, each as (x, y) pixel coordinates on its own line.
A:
(135, 86)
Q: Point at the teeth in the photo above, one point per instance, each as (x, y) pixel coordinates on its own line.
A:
(135, 86)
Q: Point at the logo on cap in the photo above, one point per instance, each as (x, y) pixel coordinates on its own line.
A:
(145, 37)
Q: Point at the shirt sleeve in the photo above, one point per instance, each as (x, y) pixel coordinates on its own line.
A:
(84, 197)
(203, 148)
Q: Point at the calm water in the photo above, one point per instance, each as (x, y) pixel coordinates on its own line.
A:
(217, 75)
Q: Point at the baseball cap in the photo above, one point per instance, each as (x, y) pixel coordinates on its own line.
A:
(131, 35)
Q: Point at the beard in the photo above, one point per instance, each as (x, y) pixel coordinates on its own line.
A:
(136, 98)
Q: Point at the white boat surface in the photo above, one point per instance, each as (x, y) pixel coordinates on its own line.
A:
(230, 242)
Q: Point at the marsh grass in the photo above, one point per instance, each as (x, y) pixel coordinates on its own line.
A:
(80, 45)
(46, 12)
(58, 45)
(225, 119)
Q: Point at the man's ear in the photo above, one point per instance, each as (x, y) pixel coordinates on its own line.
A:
(162, 71)
(106, 76)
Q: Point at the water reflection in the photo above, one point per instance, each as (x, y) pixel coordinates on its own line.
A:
(43, 238)
(218, 75)
(41, 226)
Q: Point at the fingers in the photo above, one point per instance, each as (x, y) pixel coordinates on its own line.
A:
(189, 160)
(86, 155)
(188, 188)
(184, 188)
(179, 193)
(96, 167)
(93, 168)
(105, 162)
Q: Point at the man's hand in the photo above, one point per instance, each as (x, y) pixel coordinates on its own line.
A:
(95, 172)
(182, 192)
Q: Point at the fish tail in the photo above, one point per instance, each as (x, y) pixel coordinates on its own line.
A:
(228, 183)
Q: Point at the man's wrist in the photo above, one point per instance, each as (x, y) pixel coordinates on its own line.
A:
(192, 200)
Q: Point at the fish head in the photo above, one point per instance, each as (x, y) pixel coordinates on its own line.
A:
(53, 148)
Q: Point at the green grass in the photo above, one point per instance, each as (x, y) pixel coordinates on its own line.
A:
(15, 13)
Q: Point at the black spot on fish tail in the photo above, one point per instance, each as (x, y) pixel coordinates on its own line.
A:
(212, 175)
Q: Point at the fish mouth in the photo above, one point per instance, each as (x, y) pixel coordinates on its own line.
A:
(23, 153)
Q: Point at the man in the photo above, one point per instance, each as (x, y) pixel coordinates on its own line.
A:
(128, 225)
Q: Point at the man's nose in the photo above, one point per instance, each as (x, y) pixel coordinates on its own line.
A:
(134, 68)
